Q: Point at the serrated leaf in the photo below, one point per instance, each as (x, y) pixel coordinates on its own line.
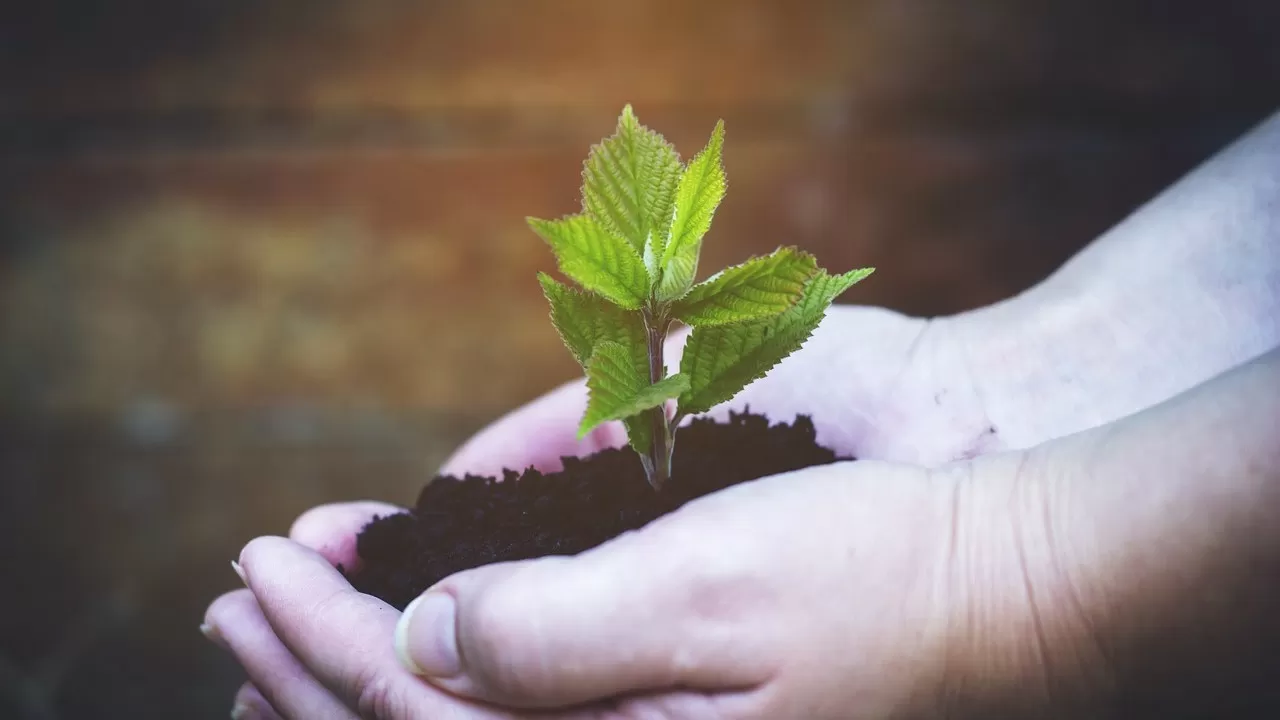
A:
(652, 260)
(759, 288)
(639, 434)
(585, 319)
(618, 391)
(629, 182)
(720, 360)
(596, 259)
(701, 188)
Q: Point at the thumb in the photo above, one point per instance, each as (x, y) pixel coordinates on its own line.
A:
(638, 614)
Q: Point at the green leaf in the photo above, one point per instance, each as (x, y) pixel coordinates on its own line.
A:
(585, 319)
(720, 360)
(639, 434)
(596, 259)
(759, 288)
(629, 182)
(619, 391)
(701, 188)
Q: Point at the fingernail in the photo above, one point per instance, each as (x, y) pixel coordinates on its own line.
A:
(243, 712)
(239, 571)
(211, 633)
(427, 636)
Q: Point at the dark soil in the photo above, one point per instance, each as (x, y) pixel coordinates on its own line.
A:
(461, 523)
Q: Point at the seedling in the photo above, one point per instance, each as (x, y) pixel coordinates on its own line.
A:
(634, 251)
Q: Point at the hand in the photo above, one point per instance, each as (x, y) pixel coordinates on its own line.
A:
(912, 399)
(1113, 570)
(311, 645)
(852, 590)
(828, 592)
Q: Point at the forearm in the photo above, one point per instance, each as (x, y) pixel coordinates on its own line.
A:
(1165, 535)
(1185, 288)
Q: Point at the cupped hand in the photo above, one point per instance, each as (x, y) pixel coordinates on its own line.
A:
(823, 593)
(804, 591)
(828, 592)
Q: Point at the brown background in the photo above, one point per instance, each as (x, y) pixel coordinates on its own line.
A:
(256, 256)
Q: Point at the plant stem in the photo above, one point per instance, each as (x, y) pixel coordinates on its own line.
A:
(657, 464)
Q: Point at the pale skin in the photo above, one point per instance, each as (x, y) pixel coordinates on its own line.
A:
(1068, 504)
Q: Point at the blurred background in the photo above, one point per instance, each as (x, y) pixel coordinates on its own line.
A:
(256, 256)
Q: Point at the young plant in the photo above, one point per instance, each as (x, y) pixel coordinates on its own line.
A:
(634, 250)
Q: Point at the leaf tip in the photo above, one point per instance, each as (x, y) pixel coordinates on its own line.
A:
(858, 275)
(628, 117)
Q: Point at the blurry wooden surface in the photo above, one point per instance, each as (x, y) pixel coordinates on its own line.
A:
(256, 256)
(264, 204)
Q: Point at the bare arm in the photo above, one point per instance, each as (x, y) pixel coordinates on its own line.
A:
(1178, 529)
(1141, 560)
(1185, 288)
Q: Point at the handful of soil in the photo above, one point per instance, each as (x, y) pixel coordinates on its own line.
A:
(462, 523)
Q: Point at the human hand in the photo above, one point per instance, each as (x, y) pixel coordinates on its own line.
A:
(1126, 571)
(851, 590)
(830, 592)
(916, 382)
(1025, 582)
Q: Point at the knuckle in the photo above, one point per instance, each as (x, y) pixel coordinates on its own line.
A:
(722, 596)
(379, 697)
(320, 614)
(332, 604)
(713, 586)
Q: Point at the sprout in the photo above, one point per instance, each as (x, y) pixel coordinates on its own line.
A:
(634, 251)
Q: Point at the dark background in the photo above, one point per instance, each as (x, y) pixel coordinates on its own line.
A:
(256, 256)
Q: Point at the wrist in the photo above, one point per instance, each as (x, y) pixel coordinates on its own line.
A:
(1021, 641)
(1052, 362)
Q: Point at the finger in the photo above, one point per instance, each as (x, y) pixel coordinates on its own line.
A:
(542, 432)
(331, 530)
(644, 613)
(343, 637)
(536, 435)
(282, 680)
(251, 705)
